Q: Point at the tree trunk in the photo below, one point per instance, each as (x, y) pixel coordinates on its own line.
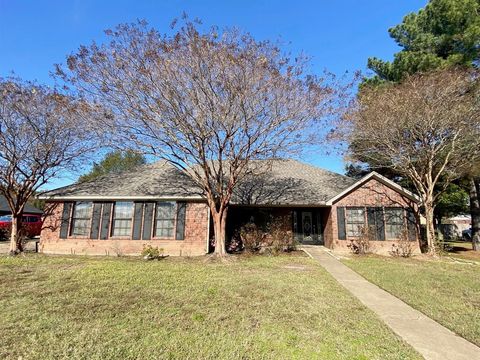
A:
(430, 227)
(15, 240)
(219, 228)
(474, 192)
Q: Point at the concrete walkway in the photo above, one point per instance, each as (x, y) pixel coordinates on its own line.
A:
(428, 337)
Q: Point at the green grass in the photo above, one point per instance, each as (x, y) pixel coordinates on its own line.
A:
(114, 308)
(447, 291)
(461, 250)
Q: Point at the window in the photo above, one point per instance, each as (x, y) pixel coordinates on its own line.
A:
(122, 218)
(355, 221)
(394, 224)
(82, 213)
(165, 220)
(30, 219)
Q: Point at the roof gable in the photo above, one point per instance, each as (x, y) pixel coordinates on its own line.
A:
(382, 179)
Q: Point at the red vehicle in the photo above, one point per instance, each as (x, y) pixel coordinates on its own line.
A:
(31, 224)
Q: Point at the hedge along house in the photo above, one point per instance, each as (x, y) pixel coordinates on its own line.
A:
(159, 205)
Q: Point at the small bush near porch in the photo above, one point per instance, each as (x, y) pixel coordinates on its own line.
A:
(249, 307)
(446, 290)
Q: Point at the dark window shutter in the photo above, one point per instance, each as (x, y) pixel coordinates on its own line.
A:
(97, 207)
(299, 226)
(411, 224)
(371, 220)
(65, 222)
(181, 210)
(294, 221)
(342, 233)
(147, 221)
(137, 221)
(107, 209)
(295, 225)
(380, 225)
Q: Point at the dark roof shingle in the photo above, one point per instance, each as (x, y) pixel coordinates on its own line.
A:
(29, 209)
(286, 182)
(157, 180)
(291, 182)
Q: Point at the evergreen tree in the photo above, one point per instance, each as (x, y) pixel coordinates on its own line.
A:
(444, 33)
(114, 162)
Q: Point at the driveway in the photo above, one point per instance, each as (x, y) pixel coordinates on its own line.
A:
(29, 246)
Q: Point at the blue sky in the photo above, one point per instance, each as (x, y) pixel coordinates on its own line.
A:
(338, 35)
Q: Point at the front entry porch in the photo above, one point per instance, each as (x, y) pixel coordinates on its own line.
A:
(306, 225)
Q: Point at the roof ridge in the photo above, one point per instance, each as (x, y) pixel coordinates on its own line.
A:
(318, 168)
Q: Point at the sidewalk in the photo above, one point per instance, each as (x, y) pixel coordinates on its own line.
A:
(432, 340)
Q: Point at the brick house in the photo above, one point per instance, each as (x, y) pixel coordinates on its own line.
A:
(158, 204)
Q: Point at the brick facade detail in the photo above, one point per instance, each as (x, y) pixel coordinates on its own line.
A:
(371, 194)
(194, 244)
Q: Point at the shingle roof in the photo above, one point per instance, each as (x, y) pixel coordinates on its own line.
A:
(287, 182)
(157, 180)
(291, 182)
(29, 209)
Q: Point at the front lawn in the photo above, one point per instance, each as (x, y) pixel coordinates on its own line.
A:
(446, 290)
(116, 308)
(461, 250)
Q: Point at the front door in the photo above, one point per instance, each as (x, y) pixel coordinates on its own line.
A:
(307, 227)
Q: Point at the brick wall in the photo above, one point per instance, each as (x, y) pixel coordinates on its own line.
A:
(195, 242)
(371, 194)
(327, 229)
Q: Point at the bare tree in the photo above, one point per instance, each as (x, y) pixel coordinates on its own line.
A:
(426, 128)
(474, 194)
(208, 102)
(42, 133)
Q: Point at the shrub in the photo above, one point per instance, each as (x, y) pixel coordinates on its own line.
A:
(279, 238)
(152, 253)
(403, 247)
(274, 239)
(362, 245)
(252, 237)
(234, 244)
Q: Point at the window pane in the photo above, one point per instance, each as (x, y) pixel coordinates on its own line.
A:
(123, 210)
(81, 226)
(394, 223)
(122, 218)
(165, 219)
(122, 227)
(355, 221)
(165, 210)
(82, 210)
(82, 213)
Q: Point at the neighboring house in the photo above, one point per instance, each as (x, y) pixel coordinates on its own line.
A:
(160, 205)
(455, 226)
(5, 209)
